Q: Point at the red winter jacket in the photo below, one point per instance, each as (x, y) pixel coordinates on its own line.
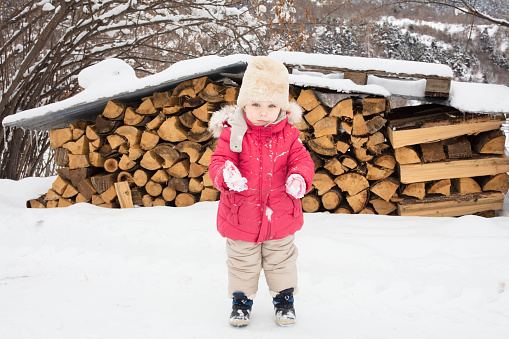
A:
(269, 155)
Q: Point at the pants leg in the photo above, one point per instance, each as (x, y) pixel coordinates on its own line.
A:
(244, 265)
(280, 264)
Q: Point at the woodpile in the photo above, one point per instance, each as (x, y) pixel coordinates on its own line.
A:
(450, 163)
(153, 153)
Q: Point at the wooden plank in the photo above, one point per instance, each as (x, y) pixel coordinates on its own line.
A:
(400, 138)
(124, 194)
(462, 168)
(437, 87)
(452, 206)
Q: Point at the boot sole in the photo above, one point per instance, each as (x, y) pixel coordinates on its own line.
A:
(239, 323)
(285, 322)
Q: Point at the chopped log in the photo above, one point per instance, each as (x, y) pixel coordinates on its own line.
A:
(126, 164)
(172, 130)
(151, 161)
(131, 118)
(154, 188)
(377, 173)
(358, 201)
(359, 126)
(113, 109)
(452, 206)
(196, 185)
(58, 137)
(52, 195)
(60, 184)
(96, 159)
(205, 158)
(180, 169)
(343, 109)
(97, 200)
(440, 187)
(462, 168)
(69, 192)
(86, 188)
(385, 188)
(187, 119)
(358, 141)
(156, 122)
(343, 145)
(348, 162)
(196, 170)
(334, 167)
(458, 148)
(103, 182)
(125, 176)
(466, 185)
(385, 161)
(319, 162)
(433, 151)
(323, 182)
(383, 207)
(439, 126)
(149, 140)
(179, 184)
(109, 196)
(353, 183)
(407, 155)
(168, 154)
(326, 126)
(115, 141)
(91, 132)
(147, 200)
(367, 210)
(375, 139)
(135, 152)
(163, 99)
(209, 194)
(140, 177)
(498, 182)
(80, 198)
(171, 110)
(185, 199)
(308, 100)
(212, 93)
(146, 107)
(202, 113)
(315, 115)
(62, 202)
(332, 199)
(160, 176)
(372, 106)
(169, 194)
(303, 125)
(111, 165)
(310, 203)
(192, 149)
(36, 203)
(417, 190)
(81, 146)
(231, 95)
(362, 154)
(64, 173)
(104, 126)
(130, 133)
(159, 202)
(61, 157)
(375, 124)
(347, 126)
(343, 209)
(199, 132)
(492, 142)
(124, 194)
(324, 145)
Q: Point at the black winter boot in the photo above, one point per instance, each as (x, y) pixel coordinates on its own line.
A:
(241, 310)
(283, 306)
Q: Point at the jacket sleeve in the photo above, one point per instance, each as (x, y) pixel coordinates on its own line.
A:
(300, 162)
(218, 159)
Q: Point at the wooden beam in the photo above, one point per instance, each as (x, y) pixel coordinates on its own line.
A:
(450, 169)
(452, 206)
(124, 194)
(400, 138)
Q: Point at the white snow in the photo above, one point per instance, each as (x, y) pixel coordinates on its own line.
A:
(479, 98)
(159, 272)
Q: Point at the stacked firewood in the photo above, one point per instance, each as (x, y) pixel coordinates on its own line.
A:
(354, 164)
(450, 163)
(159, 150)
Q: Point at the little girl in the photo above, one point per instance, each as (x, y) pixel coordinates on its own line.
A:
(262, 170)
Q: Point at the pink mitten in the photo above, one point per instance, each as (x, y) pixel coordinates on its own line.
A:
(233, 178)
(296, 186)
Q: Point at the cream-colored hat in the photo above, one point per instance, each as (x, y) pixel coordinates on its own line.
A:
(265, 79)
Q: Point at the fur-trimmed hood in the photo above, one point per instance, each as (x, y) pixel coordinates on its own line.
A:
(228, 115)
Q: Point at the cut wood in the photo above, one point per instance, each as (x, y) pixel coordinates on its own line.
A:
(169, 194)
(343, 209)
(372, 106)
(324, 145)
(377, 173)
(417, 190)
(358, 201)
(407, 155)
(160, 176)
(375, 124)
(383, 207)
(111, 165)
(343, 109)
(385, 161)
(452, 206)
(209, 194)
(334, 167)
(367, 210)
(433, 151)
(169, 155)
(492, 142)
(124, 194)
(131, 118)
(153, 188)
(140, 177)
(385, 188)
(315, 115)
(308, 100)
(147, 107)
(149, 140)
(466, 185)
(362, 154)
(195, 185)
(332, 199)
(86, 188)
(326, 126)
(125, 176)
(102, 182)
(180, 169)
(212, 93)
(353, 183)
(90, 132)
(457, 148)
(163, 99)
(179, 184)
(462, 168)
(172, 130)
(193, 149)
(498, 182)
(105, 126)
(130, 133)
(184, 200)
(323, 182)
(196, 170)
(156, 122)
(126, 164)
(202, 113)
(440, 187)
(359, 126)
(151, 161)
(310, 203)
(114, 109)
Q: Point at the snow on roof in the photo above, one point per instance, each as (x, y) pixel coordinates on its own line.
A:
(114, 79)
(363, 64)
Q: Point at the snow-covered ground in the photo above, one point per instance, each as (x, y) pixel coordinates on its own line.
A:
(89, 272)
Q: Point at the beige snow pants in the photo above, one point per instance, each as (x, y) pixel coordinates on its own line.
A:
(278, 258)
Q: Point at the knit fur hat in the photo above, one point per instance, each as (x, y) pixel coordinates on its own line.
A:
(265, 79)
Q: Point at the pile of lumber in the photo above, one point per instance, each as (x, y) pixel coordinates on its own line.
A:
(354, 165)
(153, 153)
(450, 163)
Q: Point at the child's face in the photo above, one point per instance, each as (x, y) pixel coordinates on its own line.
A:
(262, 112)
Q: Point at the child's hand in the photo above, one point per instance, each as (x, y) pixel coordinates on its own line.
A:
(233, 178)
(296, 186)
